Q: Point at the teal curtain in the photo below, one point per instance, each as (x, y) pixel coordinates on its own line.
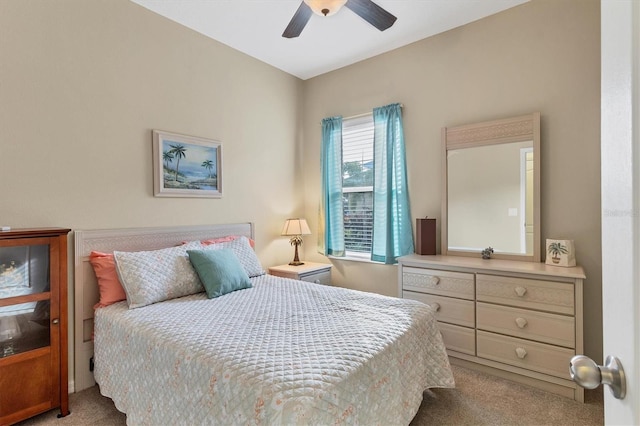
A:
(392, 230)
(331, 228)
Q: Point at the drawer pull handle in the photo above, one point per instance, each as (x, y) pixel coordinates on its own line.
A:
(520, 291)
(435, 280)
(435, 306)
(521, 322)
(521, 352)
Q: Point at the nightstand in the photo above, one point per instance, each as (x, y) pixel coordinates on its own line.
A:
(319, 273)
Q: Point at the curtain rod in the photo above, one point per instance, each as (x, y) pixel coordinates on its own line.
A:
(360, 115)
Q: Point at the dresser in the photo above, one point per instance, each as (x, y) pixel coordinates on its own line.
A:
(518, 320)
(33, 323)
(319, 273)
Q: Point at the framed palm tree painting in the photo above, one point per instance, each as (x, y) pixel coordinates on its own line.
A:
(186, 166)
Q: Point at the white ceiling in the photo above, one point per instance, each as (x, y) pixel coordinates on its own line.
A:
(327, 43)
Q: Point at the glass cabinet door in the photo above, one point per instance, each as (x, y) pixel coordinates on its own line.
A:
(24, 298)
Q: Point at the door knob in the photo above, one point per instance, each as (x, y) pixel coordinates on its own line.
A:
(586, 373)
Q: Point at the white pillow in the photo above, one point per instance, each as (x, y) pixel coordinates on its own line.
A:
(154, 276)
(241, 247)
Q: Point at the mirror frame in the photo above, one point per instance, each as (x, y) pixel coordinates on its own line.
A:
(515, 129)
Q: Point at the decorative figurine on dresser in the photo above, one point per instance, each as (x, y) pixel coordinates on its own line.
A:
(500, 309)
(33, 323)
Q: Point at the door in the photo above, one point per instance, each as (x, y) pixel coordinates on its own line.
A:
(620, 26)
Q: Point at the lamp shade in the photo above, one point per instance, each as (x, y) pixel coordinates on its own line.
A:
(325, 7)
(296, 227)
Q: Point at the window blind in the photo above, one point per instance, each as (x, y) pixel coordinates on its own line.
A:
(357, 182)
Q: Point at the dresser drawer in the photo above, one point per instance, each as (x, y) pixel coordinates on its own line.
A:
(443, 283)
(534, 356)
(459, 339)
(540, 326)
(527, 293)
(317, 277)
(453, 311)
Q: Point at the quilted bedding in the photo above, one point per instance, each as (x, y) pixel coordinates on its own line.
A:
(282, 352)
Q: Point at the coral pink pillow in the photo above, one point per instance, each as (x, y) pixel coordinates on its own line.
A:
(218, 240)
(252, 243)
(111, 290)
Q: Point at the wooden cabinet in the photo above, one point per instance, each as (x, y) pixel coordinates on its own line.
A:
(319, 273)
(519, 320)
(33, 323)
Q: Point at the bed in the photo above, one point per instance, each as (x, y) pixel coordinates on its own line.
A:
(279, 352)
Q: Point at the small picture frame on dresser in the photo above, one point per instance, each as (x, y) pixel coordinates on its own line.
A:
(560, 253)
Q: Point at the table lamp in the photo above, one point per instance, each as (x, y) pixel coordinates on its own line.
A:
(296, 228)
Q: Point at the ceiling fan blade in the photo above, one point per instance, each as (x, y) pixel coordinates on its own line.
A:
(372, 13)
(298, 22)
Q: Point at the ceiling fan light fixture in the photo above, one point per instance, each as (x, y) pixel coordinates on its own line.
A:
(325, 7)
(366, 9)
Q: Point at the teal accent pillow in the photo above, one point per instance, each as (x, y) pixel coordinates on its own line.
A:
(219, 270)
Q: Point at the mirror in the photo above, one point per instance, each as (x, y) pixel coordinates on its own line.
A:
(491, 193)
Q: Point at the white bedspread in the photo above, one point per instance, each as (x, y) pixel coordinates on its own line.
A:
(282, 352)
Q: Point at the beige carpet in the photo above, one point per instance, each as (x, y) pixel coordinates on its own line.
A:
(478, 399)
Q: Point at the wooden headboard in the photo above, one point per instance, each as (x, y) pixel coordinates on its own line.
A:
(127, 239)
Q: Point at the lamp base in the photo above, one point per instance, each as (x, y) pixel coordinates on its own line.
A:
(296, 259)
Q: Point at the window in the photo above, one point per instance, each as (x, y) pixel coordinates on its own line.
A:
(357, 184)
(358, 155)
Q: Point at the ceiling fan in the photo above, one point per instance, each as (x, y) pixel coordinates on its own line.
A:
(366, 9)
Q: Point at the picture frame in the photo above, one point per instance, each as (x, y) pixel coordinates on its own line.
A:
(186, 166)
(560, 253)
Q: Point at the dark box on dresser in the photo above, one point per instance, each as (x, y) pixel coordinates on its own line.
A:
(425, 236)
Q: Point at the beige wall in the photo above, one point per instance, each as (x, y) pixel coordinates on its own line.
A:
(83, 83)
(541, 56)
